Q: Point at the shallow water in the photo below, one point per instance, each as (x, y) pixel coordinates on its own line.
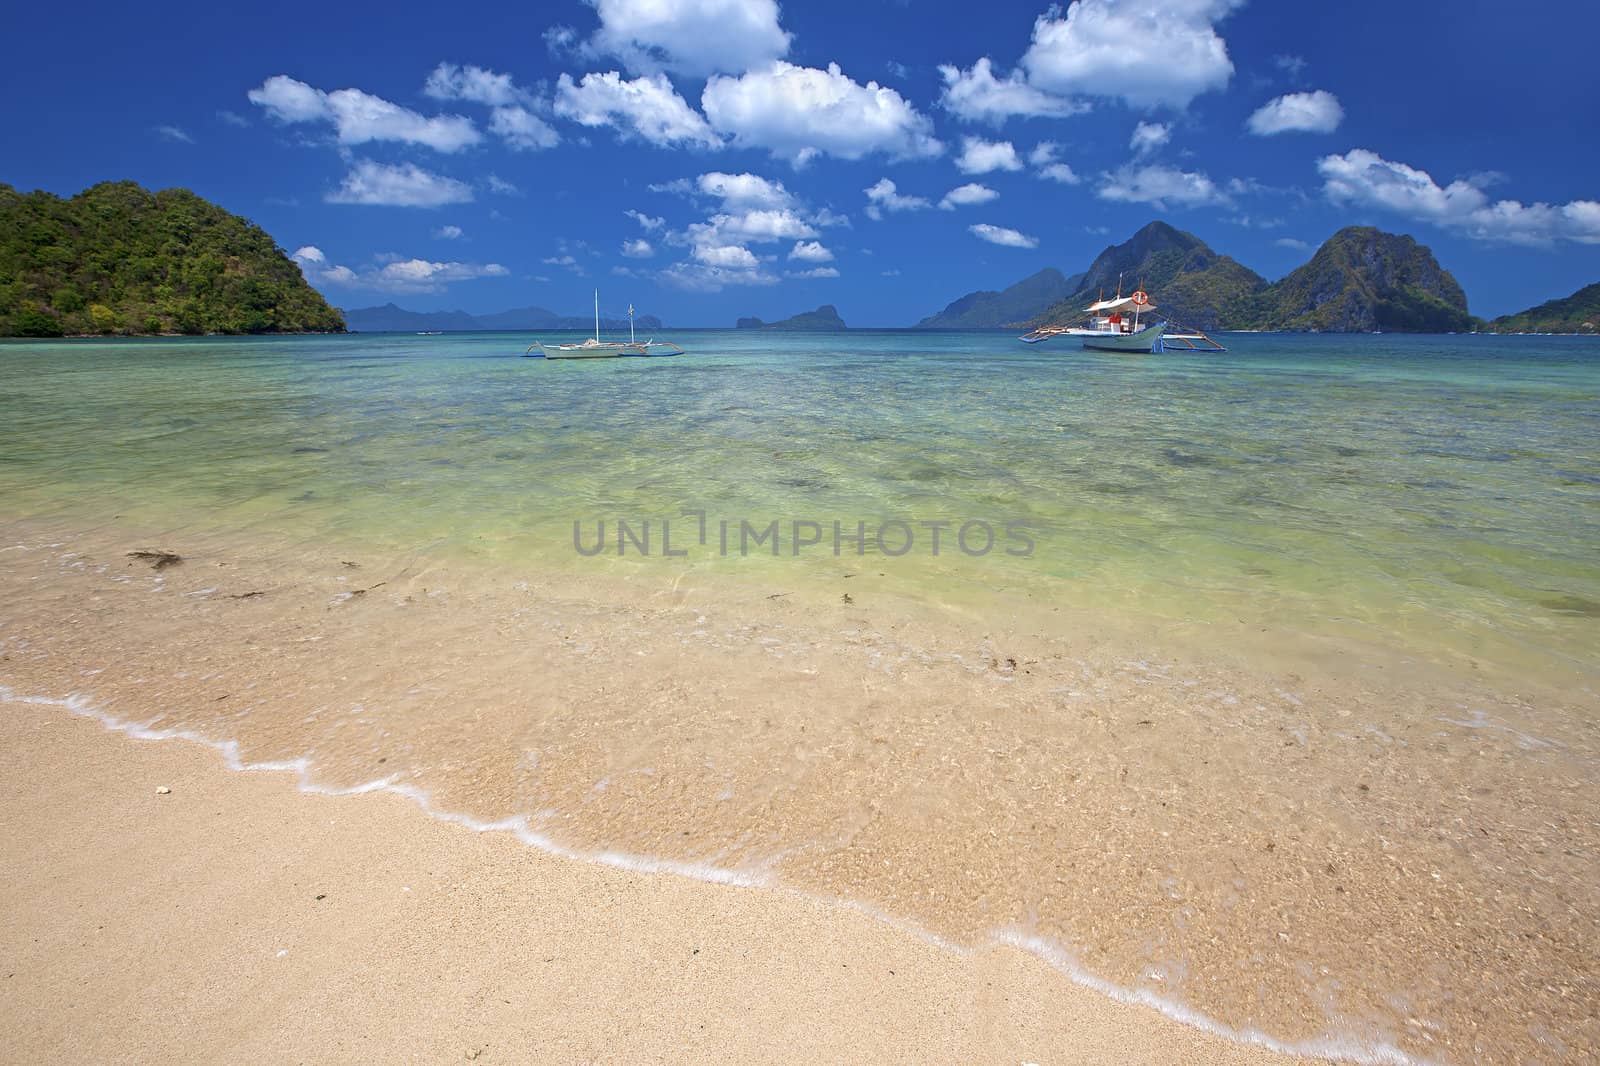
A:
(1306, 643)
(1438, 492)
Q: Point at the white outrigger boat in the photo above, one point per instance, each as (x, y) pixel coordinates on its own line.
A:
(595, 348)
(1114, 326)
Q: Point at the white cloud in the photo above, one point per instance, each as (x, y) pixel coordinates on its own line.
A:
(1159, 186)
(560, 261)
(704, 277)
(448, 233)
(727, 256)
(814, 272)
(522, 130)
(422, 275)
(233, 118)
(1313, 112)
(979, 156)
(885, 196)
(744, 190)
(1060, 172)
(798, 113)
(1008, 238)
(174, 133)
(762, 225)
(967, 195)
(406, 185)
(1292, 242)
(451, 82)
(501, 187)
(1155, 53)
(308, 253)
(978, 96)
(650, 224)
(694, 38)
(1149, 136)
(638, 248)
(339, 275)
(648, 107)
(1366, 179)
(1292, 65)
(810, 252)
(359, 117)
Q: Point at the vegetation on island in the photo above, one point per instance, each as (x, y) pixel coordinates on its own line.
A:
(118, 259)
(1578, 313)
(825, 317)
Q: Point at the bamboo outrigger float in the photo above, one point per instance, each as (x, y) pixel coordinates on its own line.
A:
(1114, 326)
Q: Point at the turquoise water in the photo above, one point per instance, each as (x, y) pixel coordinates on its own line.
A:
(1440, 493)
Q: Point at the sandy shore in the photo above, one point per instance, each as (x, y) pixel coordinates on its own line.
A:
(236, 919)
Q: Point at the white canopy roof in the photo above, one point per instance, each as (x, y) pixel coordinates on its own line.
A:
(1122, 303)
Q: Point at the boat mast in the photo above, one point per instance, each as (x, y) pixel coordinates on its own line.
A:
(630, 323)
(597, 314)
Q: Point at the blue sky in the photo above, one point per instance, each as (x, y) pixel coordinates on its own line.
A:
(706, 159)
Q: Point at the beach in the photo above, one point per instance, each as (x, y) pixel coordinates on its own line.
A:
(234, 919)
(1286, 745)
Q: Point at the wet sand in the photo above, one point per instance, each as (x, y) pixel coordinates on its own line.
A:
(1348, 852)
(237, 920)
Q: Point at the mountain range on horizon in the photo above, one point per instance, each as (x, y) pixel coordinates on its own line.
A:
(390, 318)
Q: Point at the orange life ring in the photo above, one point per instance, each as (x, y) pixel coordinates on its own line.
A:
(1141, 297)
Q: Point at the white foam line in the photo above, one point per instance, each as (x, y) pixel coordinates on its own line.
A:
(1348, 1049)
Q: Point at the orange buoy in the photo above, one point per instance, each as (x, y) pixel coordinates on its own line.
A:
(1141, 297)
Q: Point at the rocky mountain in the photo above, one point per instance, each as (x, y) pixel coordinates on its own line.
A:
(1192, 284)
(1361, 280)
(987, 309)
(119, 259)
(391, 319)
(825, 317)
(1578, 313)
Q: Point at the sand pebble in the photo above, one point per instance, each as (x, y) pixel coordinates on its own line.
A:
(163, 790)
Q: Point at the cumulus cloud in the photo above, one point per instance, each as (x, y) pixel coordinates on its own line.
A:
(814, 272)
(1150, 54)
(360, 118)
(646, 107)
(798, 113)
(1159, 186)
(744, 190)
(452, 82)
(979, 156)
(886, 196)
(810, 252)
(967, 195)
(694, 38)
(1149, 136)
(1060, 172)
(1313, 112)
(308, 254)
(405, 185)
(422, 275)
(501, 187)
(706, 277)
(1292, 242)
(448, 233)
(512, 117)
(1366, 179)
(639, 248)
(978, 96)
(1043, 158)
(650, 224)
(1008, 238)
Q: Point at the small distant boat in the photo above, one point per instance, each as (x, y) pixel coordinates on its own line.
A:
(1114, 326)
(595, 348)
(430, 332)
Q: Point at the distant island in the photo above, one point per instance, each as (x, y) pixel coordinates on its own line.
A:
(1578, 313)
(825, 317)
(990, 310)
(391, 319)
(120, 260)
(1359, 281)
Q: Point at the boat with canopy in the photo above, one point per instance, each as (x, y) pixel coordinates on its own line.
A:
(1118, 325)
(595, 348)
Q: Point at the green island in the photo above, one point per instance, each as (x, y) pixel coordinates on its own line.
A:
(120, 260)
(1578, 313)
